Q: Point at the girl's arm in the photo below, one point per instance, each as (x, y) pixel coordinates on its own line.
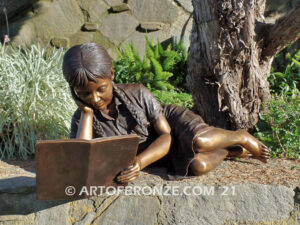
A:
(158, 149)
(85, 128)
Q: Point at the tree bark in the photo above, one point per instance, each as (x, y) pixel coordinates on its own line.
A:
(230, 59)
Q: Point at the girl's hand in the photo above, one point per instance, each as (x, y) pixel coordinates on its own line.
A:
(129, 174)
(81, 105)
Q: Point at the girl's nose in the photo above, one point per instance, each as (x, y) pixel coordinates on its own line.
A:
(95, 97)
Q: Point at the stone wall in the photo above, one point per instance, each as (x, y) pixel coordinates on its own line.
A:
(238, 204)
(64, 23)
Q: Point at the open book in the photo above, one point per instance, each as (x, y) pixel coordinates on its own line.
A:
(77, 163)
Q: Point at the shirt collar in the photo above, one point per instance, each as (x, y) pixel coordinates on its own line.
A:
(117, 104)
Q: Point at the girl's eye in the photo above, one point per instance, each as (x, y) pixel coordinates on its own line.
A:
(84, 94)
(101, 89)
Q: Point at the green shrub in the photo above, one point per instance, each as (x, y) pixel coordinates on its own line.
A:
(173, 97)
(286, 80)
(34, 99)
(160, 69)
(279, 126)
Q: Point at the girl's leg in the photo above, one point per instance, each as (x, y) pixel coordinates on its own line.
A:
(216, 138)
(206, 161)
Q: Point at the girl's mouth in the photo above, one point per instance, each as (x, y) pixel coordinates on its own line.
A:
(98, 104)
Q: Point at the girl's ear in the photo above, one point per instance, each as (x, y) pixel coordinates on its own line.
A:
(112, 74)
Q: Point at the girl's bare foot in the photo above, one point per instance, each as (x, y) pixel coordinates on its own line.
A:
(237, 151)
(255, 147)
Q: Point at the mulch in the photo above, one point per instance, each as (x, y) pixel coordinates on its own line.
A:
(276, 171)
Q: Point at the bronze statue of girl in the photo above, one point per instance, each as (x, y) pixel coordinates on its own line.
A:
(171, 135)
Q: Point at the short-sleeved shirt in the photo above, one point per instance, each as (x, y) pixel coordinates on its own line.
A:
(124, 122)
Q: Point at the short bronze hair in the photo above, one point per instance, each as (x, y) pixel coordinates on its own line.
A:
(86, 62)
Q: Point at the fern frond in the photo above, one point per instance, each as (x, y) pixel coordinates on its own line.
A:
(157, 68)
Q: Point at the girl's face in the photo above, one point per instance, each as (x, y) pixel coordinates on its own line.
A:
(97, 94)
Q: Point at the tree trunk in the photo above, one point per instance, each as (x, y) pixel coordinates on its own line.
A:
(230, 58)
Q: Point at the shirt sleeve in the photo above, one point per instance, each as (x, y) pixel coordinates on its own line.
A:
(75, 123)
(152, 106)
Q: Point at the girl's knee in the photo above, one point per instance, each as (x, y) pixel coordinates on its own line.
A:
(198, 167)
(201, 143)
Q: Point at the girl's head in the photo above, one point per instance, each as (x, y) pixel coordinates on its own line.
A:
(86, 62)
(88, 70)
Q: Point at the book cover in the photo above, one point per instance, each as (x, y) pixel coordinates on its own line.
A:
(78, 163)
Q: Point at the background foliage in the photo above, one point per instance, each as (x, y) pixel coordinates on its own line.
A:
(34, 99)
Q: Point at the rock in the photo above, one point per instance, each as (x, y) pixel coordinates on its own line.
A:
(90, 26)
(55, 215)
(81, 37)
(186, 4)
(112, 53)
(191, 203)
(118, 26)
(94, 9)
(251, 202)
(131, 210)
(87, 219)
(60, 42)
(102, 40)
(58, 19)
(120, 8)
(80, 208)
(17, 219)
(22, 184)
(183, 23)
(114, 2)
(154, 10)
(151, 26)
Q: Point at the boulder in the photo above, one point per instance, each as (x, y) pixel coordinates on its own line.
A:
(93, 9)
(58, 19)
(119, 8)
(60, 42)
(117, 27)
(90, 26)
(154, 11)
(186, 4)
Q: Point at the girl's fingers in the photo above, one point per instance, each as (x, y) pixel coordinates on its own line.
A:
(128, 179)
(128, 175)
(132, 179)
(134, 167)
(125, 178)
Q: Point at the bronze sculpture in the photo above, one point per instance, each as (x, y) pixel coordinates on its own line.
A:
(108, 109)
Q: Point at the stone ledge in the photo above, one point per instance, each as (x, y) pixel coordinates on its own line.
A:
(233, 204)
